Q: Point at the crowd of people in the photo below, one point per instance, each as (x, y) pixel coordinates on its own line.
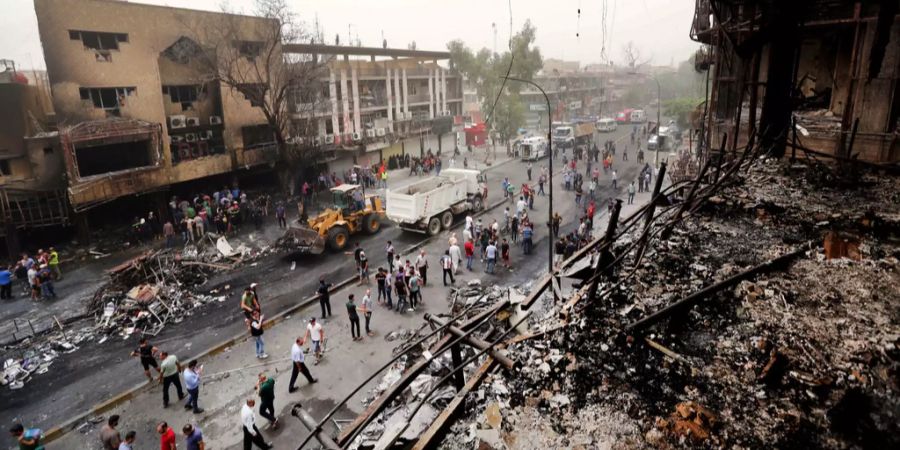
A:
(36, 275)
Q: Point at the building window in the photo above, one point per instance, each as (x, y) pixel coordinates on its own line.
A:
(184, 94)
(249, 49)
(98, 41)
(109, 99)
(48, 150)
(5, 170)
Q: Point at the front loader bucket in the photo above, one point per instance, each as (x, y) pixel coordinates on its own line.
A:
(302, 240)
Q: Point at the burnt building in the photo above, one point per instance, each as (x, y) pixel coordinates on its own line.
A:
(135, 113)
(829, 67)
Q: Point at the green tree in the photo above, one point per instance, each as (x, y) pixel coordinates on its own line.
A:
(485, 71)
(680, 109)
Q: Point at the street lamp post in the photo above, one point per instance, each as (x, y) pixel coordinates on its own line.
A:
(658, 124)
(550, 236)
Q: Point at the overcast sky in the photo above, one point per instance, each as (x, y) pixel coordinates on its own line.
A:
(659, 28)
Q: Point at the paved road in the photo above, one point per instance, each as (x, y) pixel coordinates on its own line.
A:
(97, 372)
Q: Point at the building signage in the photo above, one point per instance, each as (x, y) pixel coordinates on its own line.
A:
(537, 107)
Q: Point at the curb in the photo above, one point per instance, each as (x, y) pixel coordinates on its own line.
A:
(71, 424)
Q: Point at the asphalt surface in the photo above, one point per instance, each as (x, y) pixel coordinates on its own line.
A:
(97, 372)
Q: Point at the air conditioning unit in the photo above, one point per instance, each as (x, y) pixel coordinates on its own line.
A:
(379, 132)
(215, 120)
(176, 122)
(447, 113)
(356, 136)
(206, 135)
(317, 141)
(193, 121)
(370, 133)
(176, 139)
(329, 139)
(191, 137)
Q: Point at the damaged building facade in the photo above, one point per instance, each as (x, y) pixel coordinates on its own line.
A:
(134, 114)
(830, 67)
(376, 103)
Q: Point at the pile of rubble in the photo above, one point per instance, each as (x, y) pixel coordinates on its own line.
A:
(154, 289)
(35, 358)
(804, 355)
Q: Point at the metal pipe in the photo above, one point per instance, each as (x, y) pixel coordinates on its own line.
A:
(315, 430)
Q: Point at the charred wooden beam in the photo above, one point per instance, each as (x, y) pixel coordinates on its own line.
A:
(707, 292)
(311, 425)
(476, 342)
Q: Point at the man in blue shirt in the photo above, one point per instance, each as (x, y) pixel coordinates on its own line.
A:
(5, 283)
(193, 438)
(191, 377)
(527, 234)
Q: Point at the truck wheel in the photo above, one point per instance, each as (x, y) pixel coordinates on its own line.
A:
(372, 224)
(447, 220)
(477, 204)
(434, 226)
(337, 238)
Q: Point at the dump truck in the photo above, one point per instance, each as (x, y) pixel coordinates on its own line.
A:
(429, 206)
(333, 226)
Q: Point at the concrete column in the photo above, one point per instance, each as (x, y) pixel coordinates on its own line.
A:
(405, 93)
(356, 119)
(443, 89)
(332, 92)
(431, 85)
(345, 103)
(398, 95)
(390, 99)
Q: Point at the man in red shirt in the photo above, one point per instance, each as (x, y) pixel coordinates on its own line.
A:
(469, 247)
(166, 436)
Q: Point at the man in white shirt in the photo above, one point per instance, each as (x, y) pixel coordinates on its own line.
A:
(520, 207)
(298, 365)
(422, 266)
(251, 432)
(316, 334)
(447, 266)
(491, 254)
(455, 257)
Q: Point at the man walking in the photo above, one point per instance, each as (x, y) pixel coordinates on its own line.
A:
(422, 266)
(53, 262)
(527, 235)
(166, 436)
(316, 334)
(252, 434)
(255, 326)
(298, 365)
(128, 443)
(169, 368)
(528, 170)
(324, 297)
(191, 377)
(447, 266)
(469, 248)
(615, 178)
(354, 318)
(147, 353)
(265, 387)
(491, 254)
(193, 438)
(389, 249)
(366, 309)
(415, 291)
(109, 435)
(631, 193)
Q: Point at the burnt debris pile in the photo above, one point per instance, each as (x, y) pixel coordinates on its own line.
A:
(762, 313)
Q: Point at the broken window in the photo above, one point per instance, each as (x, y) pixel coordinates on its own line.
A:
(249, 49)
(255, 93)
(113, 157)
(257, 136)
(109, 99)
(5, 170)
(98, 40)
(186, 95)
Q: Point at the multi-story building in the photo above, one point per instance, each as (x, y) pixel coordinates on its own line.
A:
(572, 95)
(376, 103)
(828, 66)
(135, 114)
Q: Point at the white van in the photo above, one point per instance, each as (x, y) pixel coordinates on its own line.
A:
(533, 148)
(638, 116)
(606, 125)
